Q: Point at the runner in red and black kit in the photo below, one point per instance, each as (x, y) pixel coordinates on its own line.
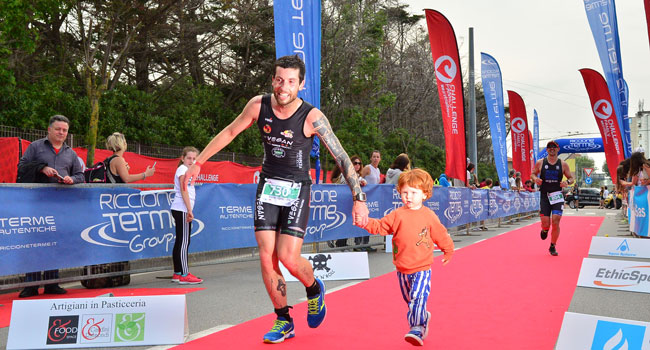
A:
(547, 174)
(287, 125)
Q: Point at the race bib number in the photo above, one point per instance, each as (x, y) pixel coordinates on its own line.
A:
(555, 197)
(280, 192)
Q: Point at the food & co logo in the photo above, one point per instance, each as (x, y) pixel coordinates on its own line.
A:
(62, 329)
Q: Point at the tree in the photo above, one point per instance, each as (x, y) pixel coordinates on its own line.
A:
(99, 42)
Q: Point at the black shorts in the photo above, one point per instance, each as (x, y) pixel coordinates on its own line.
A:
(545, 207)
(287, 220)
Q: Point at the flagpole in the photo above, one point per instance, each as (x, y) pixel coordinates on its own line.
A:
(472, 102)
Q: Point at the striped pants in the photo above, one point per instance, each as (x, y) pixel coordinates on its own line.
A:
(415, 289)
(179, 254)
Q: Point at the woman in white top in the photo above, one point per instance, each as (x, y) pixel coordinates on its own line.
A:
(182, 213)
(371, 171)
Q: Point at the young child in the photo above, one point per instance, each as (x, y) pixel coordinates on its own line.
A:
(182, 213)
(415, 229)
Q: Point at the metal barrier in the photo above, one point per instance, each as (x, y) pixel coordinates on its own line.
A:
(12, 282)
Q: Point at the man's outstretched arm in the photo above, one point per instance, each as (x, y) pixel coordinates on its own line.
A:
(323, 129)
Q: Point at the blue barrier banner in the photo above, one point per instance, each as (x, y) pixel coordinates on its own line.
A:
(493, 92)
(638, 210)
(62, 227)
(298, 31)
(604, 27)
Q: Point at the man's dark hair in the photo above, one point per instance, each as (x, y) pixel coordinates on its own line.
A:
(292, 61)
(58, 118)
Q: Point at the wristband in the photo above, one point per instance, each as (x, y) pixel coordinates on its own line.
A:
(144, 176)
(198, 163)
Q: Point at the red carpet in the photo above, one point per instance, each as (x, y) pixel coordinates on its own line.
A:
(6, 300)
(503, 293)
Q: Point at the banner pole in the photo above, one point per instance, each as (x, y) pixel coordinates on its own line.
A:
(472, 101)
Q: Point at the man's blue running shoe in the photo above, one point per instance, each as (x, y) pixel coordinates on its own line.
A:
(316, 307)
(282, 329)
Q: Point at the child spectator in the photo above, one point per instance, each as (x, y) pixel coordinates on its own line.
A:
(182, 213)
(415, 229)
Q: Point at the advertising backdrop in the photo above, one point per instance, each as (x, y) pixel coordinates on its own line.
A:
(67, 226)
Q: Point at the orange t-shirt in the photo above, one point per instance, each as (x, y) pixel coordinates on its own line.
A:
(414, 234)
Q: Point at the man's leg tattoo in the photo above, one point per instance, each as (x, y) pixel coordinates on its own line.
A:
(282, 287)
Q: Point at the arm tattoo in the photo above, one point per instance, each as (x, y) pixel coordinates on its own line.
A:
(324, 131)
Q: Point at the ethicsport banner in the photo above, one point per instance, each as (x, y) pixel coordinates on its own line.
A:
(626, 275)
(493, 93)
(65, 226)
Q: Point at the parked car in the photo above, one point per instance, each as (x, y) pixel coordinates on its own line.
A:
(611, 203)
(587, 196)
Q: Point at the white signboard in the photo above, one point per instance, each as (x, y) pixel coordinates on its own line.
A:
(626, 247)
(580, 331)
(97, 322)
(631, 276)
(335, 266)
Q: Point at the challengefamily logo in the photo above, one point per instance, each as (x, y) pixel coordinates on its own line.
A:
(445, 69)
(603, 109)
(518, 125)
(136, 221)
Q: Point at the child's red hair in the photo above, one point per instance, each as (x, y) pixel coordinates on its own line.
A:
(416, 178)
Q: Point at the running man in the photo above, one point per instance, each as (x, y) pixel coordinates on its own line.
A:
(547, 174)
(287, 126)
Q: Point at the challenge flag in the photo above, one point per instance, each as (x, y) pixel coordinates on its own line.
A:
(298, 31)
(605, 114)
(604, 27)
(519, 135)
(493, 93)
(444, 50)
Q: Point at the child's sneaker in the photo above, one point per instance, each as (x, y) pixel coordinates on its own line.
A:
(282, 329)
(189, 279)
(176, 277)
(316, 309)
(426, 326)
(415, 336)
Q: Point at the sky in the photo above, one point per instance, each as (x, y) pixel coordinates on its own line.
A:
(540, 46)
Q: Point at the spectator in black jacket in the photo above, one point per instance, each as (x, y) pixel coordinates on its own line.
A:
(49, 160)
